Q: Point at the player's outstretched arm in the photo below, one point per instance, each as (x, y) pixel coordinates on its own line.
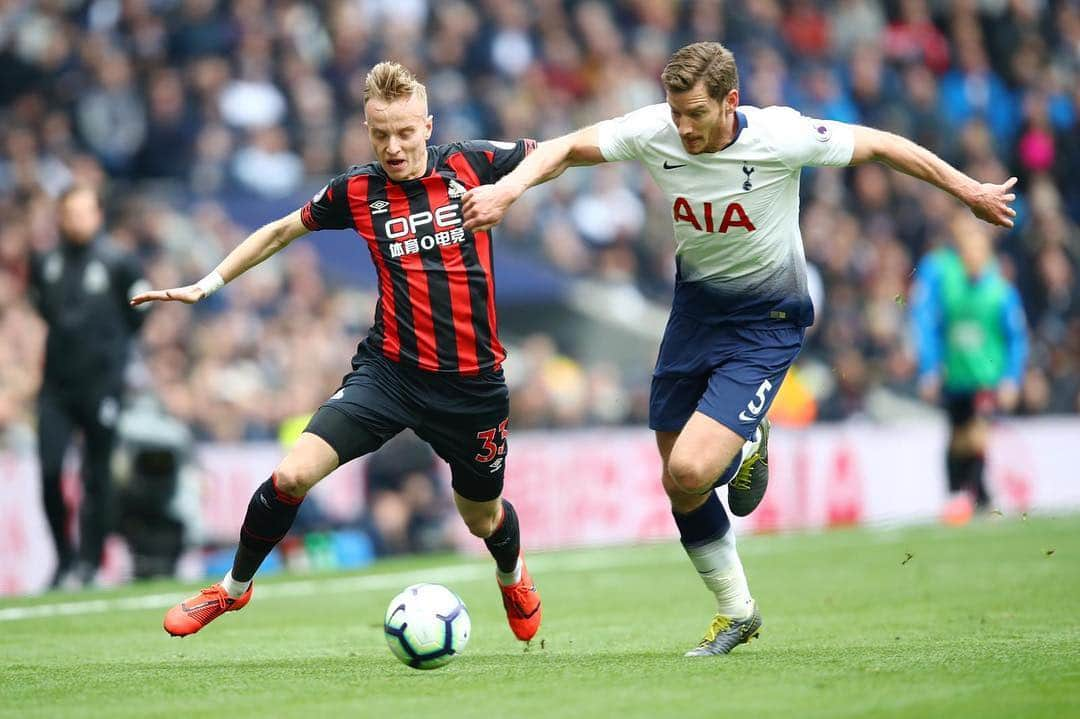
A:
(259, 245)
(988, 201)
(483, 207)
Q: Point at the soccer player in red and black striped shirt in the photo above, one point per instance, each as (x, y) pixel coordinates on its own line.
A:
(431, 362)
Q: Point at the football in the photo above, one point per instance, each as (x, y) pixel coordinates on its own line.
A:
(426, 626)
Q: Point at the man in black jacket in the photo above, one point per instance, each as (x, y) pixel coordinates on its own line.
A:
(81, 289)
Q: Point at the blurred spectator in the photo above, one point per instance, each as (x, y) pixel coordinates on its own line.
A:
(111, 116)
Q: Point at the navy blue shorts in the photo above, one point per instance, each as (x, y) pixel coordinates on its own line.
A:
(463, 418)
(726, 372)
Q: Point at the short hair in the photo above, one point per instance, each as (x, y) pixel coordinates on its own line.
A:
(710, 62)
(77, 188)
(389, 81)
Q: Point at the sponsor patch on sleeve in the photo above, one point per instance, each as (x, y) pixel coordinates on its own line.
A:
(822, 133)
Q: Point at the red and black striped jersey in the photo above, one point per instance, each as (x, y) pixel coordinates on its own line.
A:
(436, 308)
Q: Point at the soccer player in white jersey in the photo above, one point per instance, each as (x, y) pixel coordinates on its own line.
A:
(731, 174)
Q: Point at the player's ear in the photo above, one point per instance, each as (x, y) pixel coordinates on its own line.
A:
(732, 98)
(429, 123)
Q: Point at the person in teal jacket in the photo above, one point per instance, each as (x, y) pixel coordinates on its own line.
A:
(972, 346)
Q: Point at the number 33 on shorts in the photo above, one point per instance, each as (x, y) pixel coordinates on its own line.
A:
(492, 451)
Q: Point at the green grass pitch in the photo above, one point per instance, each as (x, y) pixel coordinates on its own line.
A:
(979, 621)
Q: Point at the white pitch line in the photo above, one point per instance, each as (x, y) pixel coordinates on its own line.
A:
(307, 587)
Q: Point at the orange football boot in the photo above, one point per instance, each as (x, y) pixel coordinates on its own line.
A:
(191, 615)
(522, 603)
(958, 510)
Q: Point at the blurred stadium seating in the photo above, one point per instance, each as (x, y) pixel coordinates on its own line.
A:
(201, 119)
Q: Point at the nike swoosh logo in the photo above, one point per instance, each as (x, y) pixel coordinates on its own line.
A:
(744, 417)
(186, 608)
(669, 166)
(523, 615)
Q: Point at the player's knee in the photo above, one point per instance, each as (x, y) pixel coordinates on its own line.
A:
(481, 525)
(293, 481)
(686, 475)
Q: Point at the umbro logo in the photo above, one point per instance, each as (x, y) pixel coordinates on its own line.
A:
(455, 190)
(669, 166)
(379, 206)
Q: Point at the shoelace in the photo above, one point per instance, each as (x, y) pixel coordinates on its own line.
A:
(518, 598)
(742, 478)
(719, 624)
(219, 595)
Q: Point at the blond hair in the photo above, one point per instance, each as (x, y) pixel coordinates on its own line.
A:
(710, 62)
(389, 81)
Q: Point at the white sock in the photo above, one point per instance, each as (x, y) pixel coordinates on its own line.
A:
(234, 588)
(509, 578)
(720, 568)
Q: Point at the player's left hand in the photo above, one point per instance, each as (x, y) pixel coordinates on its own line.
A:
(188, 295)
(990, 203)
(1008, 396)
(483, 207)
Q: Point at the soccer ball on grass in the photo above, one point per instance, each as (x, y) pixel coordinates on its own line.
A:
(426, 626)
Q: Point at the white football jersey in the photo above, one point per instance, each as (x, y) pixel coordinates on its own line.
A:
(739, 254)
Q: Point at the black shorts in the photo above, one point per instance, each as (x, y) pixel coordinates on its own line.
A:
(963, 407)
(462, 418)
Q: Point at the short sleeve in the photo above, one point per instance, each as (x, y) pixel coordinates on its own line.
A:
(622, 138)
(329, 208)
(800, 140)
(35, 282)
(498, 158)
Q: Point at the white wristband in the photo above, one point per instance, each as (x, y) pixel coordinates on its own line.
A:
(211, 283)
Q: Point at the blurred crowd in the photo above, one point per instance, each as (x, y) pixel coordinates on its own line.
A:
(178, 109)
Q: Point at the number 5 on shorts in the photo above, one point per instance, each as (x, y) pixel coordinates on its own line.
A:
(755, 407)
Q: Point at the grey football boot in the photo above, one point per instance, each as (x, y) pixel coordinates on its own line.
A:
(747, 488)
(725, 633)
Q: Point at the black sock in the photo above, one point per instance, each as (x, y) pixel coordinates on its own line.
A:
(954, 467)
(705, 524)
(976, 471)
(505, 542)
(269, 516)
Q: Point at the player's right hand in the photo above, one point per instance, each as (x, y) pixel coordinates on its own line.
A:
(188, 295)
(483, 207)
(990, 203)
